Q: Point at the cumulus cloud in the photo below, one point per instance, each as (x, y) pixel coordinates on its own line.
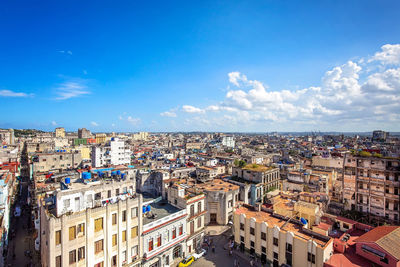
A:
(191, 109)
(9, 93)
(342, 98)
(390, 54)
(93, 123)
(170, 114)
(133, 121)
(71, 89)
(54, 123)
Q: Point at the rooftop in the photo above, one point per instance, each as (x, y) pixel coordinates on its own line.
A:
(257, 168)
(296, 229)
(158, 211)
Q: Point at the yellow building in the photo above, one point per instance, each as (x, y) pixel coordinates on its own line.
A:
(101, 138)
(277, 241)
(60, 132)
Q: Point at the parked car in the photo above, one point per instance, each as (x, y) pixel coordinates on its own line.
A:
(186, 262)
(199, 254)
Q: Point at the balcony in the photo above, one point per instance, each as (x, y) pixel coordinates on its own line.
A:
(392, 183)
(363, 191)
(377, 193)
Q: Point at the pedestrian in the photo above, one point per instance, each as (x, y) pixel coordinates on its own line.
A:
(213, 248)
(235, 262)
(251, 263)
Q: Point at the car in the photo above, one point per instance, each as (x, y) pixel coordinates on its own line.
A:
(186, 262)
(199, 254)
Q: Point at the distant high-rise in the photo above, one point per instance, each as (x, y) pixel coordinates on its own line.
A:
(60, 132)
(379, 135)
(84, 133)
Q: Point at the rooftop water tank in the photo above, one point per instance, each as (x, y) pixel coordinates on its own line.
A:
(118, 172)
(148, 208)
(303, 221)
(67, 180)
(144, 209)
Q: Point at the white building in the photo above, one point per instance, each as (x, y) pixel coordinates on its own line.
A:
(113, 153)
(163, 234)
(228, 141)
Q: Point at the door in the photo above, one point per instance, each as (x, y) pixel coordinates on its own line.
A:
(213, 218)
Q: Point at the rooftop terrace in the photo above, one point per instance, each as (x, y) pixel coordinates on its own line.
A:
(158, 211)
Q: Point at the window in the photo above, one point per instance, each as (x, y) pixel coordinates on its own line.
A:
(159, 241)
(241, 238)
(181, 230)
(72, 233)
(191, 210)
(58, 238)
(109, 193)
(251, 230)
(150, 244)
(134, 212)
(241, 226)
(263, 236)
(98, 246)
(58, 261)
(174, 233)
(72, 256)
(117, 191)
(134, 232)
(114, 261)
(276, 256)
(134, 251)
(252, 244)
(199, 222)
(80, 229)
(114, 219)
(263, 249)
(124, 215)
(81, 253)
(123, 256)
(313, 258)
(67, 203)
(199, 207)
(100, 264)
(275, 241)
(289, 247)
(98, 224)
(114, 240)
(124, 236)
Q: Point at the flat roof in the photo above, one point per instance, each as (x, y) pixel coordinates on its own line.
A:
(258, 168)
(297, 230)
(160, 210)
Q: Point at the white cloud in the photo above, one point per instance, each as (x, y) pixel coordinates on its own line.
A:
(343, 99)
(69, 52)
(133, 121)
(53, 123)
(71, 89)
(191, 109)
(93, 123)
(390, 54)
(9, 93)
(170, 114)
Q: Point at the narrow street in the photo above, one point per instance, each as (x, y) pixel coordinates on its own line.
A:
(21, 227)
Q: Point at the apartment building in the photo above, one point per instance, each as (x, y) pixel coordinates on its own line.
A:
(114, 152)
(164, 234)
(56, 161)
(204, 174)
(191, 199)
(60, 132)
(278, 241)
(84, 133)
(371, 185)
(7, 137)
(255, 181)
(228, 141)
(92, 223)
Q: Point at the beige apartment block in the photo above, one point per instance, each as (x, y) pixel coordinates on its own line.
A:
(371, 185)
(56, 161)
(276, 240)
(60, 132)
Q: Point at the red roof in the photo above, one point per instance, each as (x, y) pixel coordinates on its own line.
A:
(376, 233)
(343, 219)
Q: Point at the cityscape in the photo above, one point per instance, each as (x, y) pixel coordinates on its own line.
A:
(200, 133)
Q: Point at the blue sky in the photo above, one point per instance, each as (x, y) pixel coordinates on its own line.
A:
(205, 65)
